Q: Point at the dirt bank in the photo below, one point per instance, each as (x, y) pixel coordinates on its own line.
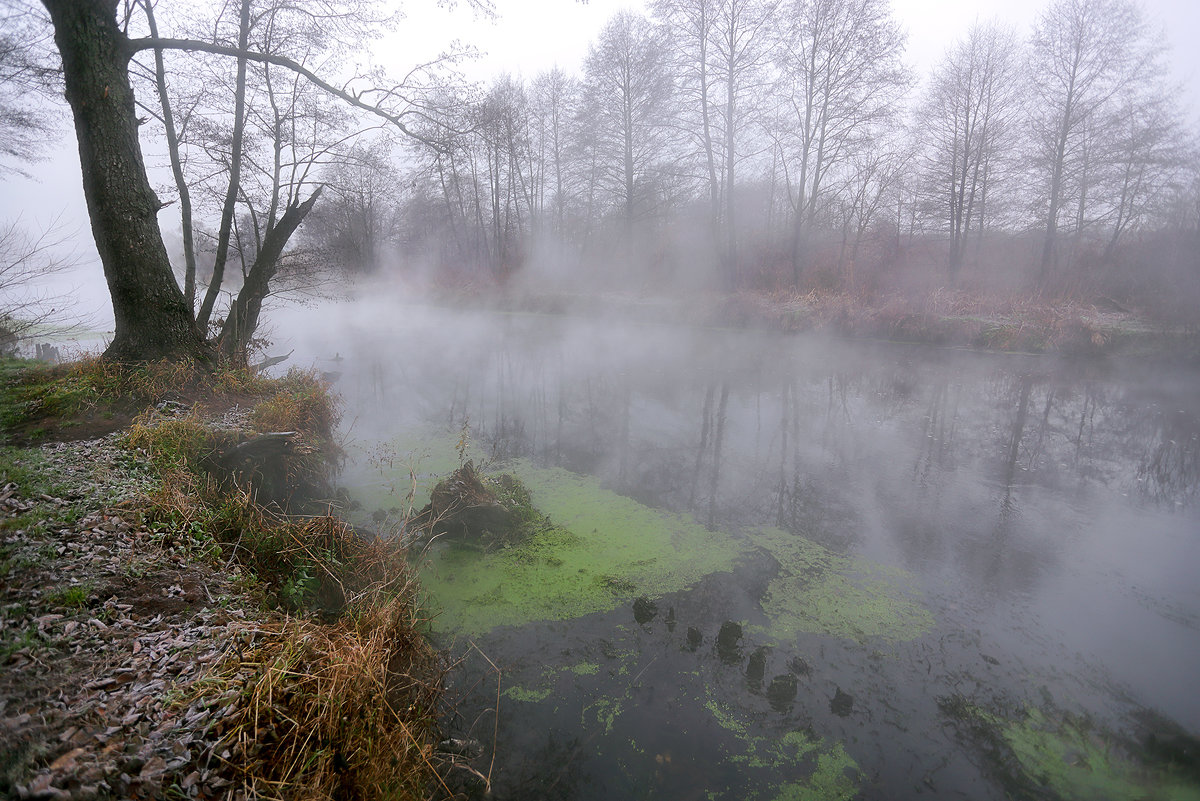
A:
(164, 636)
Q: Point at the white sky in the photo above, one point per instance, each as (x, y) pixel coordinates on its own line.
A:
(533, 35)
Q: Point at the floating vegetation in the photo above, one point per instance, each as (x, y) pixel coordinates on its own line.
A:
(549, 677)
(1068, 755)
(598, 551)
(811, 768)
(527, 695)
(819, 591)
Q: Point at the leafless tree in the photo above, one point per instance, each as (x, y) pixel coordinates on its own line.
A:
(967, 125)
(840, 77)
(30, 306)
(26, 78)
(626, 92)
(552, 96)
(743, 55)
(691, 27)
(721, 51)
(1085, 54)
(873, 183)
(356, 223)
(1150, 153)
(153, 318)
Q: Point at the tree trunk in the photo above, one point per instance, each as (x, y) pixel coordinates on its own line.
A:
(242, 320)
(185, 195)
(235, 172)
(151, 315)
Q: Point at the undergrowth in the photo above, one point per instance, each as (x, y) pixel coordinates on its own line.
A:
(35, 396)
(341, 701)
(346, 710)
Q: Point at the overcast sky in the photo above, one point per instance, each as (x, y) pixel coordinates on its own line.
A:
(532, 35)
(529, 36)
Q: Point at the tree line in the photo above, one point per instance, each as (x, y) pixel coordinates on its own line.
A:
(784, 143)
(727, 143)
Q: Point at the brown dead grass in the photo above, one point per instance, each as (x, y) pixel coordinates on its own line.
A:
(340, 711)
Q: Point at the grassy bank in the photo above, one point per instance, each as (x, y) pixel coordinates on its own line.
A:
(954, 318)
(181, 615)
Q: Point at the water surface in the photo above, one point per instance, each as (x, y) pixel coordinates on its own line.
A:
(878, 532)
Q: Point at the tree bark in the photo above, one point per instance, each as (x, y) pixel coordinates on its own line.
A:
(152, 318)
(242, 320)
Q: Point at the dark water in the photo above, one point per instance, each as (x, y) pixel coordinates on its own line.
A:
(1048, 513)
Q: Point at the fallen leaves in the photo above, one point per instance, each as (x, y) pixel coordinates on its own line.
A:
(125, 695)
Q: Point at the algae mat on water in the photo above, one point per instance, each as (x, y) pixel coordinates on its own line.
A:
(818, 591)
(603, 550)
(802, 765)
(1070, 757)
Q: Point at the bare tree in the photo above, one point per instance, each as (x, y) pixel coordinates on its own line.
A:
(153, 317)
(691, 28)
(840, 77)
(626, 94)
(29, 305)
(743, 52)
(1149, 155)
(552, 97)
(26, 77)
(720, 50)
(872, 186)
(966, 124)
(355, 223)
(1086, 53)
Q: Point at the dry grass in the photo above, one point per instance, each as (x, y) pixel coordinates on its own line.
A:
(339, 701)
(341, 710)
(300, 401)
(1001, 321)
(342, 703)
(180, 442)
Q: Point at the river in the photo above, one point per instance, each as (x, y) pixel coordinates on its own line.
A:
(794, 567)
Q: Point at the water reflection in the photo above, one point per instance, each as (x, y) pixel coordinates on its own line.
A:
(828, 441)
(1048, 510)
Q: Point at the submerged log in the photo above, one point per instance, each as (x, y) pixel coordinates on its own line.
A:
(271, 361)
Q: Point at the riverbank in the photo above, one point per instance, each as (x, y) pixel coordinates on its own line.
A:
(948, 318)
(166, 629)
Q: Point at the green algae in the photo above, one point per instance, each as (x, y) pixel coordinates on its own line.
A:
(818, 591)
(1075, 760)
(601, 550)
(549, 677)
(835, 774)
(813, 768)
(527, 695)
(603, 712)
(725, 718)
(584, 669)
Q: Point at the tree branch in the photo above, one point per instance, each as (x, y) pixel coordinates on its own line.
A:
(195, 45)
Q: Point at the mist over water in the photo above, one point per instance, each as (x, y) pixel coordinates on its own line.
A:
(1044, 511)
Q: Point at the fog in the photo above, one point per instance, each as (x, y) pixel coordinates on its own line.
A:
(1043, 509)
(848, 348)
